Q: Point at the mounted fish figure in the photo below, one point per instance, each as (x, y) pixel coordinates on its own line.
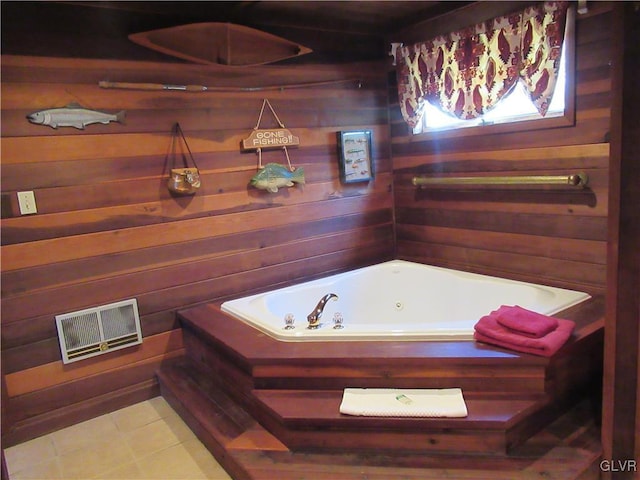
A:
(274, 176)
(74, 115)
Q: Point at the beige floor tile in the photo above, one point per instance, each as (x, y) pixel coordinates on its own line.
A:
(95, 459)
(151, 438)
(130, 471)
(217, 473)
(206, 462)
(135, 416)
(179, 428)
(79, 436)
(46, 470)
(173, 463)
(25, 454)
(162, 407)
(146, 441)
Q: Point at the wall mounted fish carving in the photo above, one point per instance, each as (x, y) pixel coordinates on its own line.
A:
(74, 115)
(274, 176)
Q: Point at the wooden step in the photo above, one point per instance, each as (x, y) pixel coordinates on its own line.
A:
(311, 420)
(569, 449)
(321, 409)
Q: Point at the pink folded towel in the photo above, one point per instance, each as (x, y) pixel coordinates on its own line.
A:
(525, 322)
(488, 330)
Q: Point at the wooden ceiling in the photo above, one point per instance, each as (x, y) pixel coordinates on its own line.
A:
(339, 31)
(377, 18)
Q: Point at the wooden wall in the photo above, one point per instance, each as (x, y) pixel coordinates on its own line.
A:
(544, 236)
(107, 228)
(621, 386)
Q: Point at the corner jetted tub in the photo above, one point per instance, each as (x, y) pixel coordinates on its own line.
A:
(396, 300)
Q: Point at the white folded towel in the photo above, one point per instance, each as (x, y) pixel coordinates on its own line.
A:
(392, 402)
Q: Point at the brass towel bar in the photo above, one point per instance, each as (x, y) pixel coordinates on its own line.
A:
(575, 180)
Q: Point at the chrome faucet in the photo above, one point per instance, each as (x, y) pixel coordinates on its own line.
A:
(314, 316)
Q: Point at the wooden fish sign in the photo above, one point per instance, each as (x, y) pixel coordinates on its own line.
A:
(261, 139)
(270, 138)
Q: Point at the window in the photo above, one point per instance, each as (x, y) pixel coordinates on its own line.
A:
(423, 79)
(516, 107)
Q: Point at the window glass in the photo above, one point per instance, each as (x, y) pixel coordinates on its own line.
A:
(515, 107)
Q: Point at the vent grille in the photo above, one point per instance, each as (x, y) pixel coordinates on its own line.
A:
(94, 331)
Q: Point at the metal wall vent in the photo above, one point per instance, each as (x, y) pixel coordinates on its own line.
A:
(94, 331)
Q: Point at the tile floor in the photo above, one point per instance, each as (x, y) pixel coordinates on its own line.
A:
(147, 440)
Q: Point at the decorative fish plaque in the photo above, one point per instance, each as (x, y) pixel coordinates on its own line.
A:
(274, 176)
(74, 115)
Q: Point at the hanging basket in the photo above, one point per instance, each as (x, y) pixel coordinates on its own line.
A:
(183, 180)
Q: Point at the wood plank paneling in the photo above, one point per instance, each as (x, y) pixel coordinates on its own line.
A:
(69, 223)
(95, 268)
(549, 236)
(48, 375)
(108, 229)
(621, 386)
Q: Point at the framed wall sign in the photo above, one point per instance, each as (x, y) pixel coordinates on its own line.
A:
(356, 164)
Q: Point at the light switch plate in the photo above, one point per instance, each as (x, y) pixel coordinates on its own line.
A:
(27, 202)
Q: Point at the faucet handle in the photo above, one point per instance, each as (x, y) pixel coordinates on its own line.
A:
(289, 320)
(337, 321)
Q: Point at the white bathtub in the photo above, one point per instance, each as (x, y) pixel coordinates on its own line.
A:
(394, 300)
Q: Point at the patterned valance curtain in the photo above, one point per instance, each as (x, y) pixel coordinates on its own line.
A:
(466, 73)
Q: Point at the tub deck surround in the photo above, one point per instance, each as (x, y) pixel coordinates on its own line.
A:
(293, 389)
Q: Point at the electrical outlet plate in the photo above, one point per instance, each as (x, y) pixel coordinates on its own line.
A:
(27, 202)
